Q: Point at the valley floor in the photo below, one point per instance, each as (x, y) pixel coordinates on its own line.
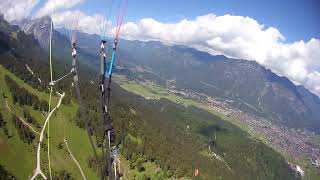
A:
(299, 147)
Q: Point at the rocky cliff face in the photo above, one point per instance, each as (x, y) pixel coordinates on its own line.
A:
(40, 29)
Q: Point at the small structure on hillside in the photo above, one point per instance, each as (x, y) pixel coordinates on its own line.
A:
(297, 169)
(315, 163)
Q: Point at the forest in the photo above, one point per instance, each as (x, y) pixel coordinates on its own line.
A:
(30, 119)
(3, 125)
(22, 97)
(151, 130)
(5, 175)
(155, 131)
(24, 132)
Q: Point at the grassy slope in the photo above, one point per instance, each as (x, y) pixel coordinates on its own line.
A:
(60, 159)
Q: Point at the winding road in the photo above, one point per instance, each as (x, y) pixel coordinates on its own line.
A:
(38, 169)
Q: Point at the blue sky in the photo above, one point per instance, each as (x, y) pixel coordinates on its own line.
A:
(295, 19)
(288, 43)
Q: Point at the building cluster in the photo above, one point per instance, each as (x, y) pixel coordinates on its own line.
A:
(296, 142)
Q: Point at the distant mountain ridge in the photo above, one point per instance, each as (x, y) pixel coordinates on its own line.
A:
(252, 87)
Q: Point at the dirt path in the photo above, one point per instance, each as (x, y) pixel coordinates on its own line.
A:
(23, 121)
(74, 159)
(70, 153)
(38, 170)
(30, 70)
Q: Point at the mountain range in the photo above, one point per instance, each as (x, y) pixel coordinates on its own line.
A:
(245, 84)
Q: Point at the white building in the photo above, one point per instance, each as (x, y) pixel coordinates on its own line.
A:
(300, 170)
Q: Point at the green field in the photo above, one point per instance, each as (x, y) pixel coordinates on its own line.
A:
(20, 158)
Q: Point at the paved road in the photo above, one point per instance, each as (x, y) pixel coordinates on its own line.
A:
(23, 121)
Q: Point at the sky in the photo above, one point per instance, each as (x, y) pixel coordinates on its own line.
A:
(297, 19)
(282, 35)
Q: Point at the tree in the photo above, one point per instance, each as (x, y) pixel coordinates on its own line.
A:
(24, 132)
(4, 174)
(3, 125)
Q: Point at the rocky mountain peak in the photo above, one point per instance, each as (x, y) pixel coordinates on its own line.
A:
(39, 28)
(1, 17)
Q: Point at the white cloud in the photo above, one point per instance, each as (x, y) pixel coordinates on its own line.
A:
(17, 9)
(238, 37)
(52, 6)
(88, 24)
